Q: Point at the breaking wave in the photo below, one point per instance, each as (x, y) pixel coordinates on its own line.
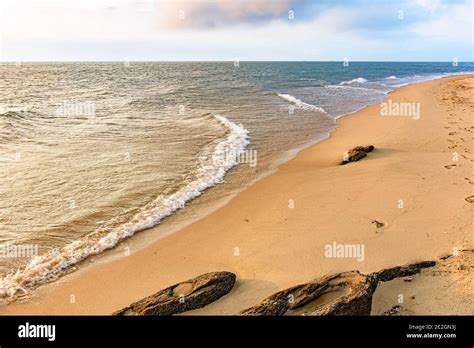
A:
(358, 80)
(51, 265)
(301, 104)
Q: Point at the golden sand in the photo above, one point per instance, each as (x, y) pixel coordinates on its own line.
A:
(273, 234)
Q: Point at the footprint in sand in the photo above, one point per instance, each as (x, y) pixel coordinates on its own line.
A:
(449, 166)
(469, 181)
(469, 199)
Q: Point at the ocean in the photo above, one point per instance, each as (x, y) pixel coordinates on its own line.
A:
(93, 153)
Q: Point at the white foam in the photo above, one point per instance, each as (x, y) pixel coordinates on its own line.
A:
(301, 104)
(353, 88)
(358, 80)
(393, 77)
(52, 264)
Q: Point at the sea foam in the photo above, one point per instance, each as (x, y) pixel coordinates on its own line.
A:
(52, 264)
(343, 87)
(358, 80)
(301, 104)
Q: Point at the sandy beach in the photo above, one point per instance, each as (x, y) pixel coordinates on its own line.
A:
(273, 234)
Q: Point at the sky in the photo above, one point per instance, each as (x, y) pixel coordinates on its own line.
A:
(226, 30)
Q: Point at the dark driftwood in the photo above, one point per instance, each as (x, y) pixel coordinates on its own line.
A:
(357, 153)
(348, 293)
(190, 294)
(388, 274)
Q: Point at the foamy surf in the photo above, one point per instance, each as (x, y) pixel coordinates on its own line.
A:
(358, 80)
(301, 104)
(344, 87)
(53, 264)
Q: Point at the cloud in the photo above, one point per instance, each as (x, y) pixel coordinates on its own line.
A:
(219, 13)
(432, 6)
(244, 29)
(454, 23)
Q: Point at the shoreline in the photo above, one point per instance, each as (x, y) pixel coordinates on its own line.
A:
(257, 266)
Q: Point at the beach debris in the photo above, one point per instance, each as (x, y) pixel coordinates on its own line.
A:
(190, 294)
(378, 224)
(357, 153)
(397, 311)
(388, 274)
(347, 293)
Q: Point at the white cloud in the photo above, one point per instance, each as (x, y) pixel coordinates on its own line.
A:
(129, 28)
(454, 23)
(432, 6)
(214, 13)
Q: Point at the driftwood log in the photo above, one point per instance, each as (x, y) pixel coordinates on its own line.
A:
(348, 293)
(357, 153)
(190, 294)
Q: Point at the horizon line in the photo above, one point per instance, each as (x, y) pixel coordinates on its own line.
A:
(230, 61)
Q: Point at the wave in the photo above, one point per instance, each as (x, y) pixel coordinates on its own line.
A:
(51, 265)
(17, 125)
(354, 88)
(301, 104)
(393, 77)
(12, 115)
(358, 80)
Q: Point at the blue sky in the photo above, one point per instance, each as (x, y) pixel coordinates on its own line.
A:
(369, 30)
